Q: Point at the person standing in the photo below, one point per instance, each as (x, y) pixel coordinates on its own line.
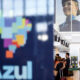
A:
(57, 67)
(67, 65)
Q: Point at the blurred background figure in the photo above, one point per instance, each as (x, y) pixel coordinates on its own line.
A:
(57, 57)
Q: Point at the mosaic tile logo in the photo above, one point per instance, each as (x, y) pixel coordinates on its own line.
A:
(14, 33)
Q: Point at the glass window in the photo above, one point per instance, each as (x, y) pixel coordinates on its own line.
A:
(41, 7)
(18, 7)
(7, 7)
(30, 7)
(51, 6)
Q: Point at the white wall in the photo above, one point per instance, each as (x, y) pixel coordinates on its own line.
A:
(62, 54)
(75, 51)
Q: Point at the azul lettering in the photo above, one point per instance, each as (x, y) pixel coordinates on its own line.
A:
(26, 72)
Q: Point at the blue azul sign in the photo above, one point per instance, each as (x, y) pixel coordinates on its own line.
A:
(26, 56)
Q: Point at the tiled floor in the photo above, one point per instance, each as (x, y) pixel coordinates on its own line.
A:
(75, 77)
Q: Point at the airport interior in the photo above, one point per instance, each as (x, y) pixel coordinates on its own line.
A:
(42, 18)
(67, 40)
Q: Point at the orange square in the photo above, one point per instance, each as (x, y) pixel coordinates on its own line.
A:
(9, 54)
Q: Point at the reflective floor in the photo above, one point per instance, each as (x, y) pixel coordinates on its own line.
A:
(75, 77)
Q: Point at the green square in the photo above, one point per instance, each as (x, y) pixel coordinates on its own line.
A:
(14, 28)
(0, 30)
(0, 13)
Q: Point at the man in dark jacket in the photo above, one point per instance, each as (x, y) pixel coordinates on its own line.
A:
(71, 11)
(67, 65)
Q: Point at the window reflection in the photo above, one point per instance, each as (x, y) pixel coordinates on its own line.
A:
(26, 7)
(18, 7)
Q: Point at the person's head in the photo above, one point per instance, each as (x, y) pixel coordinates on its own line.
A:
(70, 7)
(57, 55)
(67, 55)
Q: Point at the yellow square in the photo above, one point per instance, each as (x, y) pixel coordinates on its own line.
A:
(20, 39)
(29, 25)
(21, 27)
(23, 24)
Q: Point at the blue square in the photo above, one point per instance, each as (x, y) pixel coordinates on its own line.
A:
(1, 22)
(19, 21)
(8, 22)
(14, 19)
(14, 36)
(22, 32)
(12, 48)
(6, 33)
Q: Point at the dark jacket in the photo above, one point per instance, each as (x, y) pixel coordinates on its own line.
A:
(66, 27)
(65, 71)
(58, 67)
